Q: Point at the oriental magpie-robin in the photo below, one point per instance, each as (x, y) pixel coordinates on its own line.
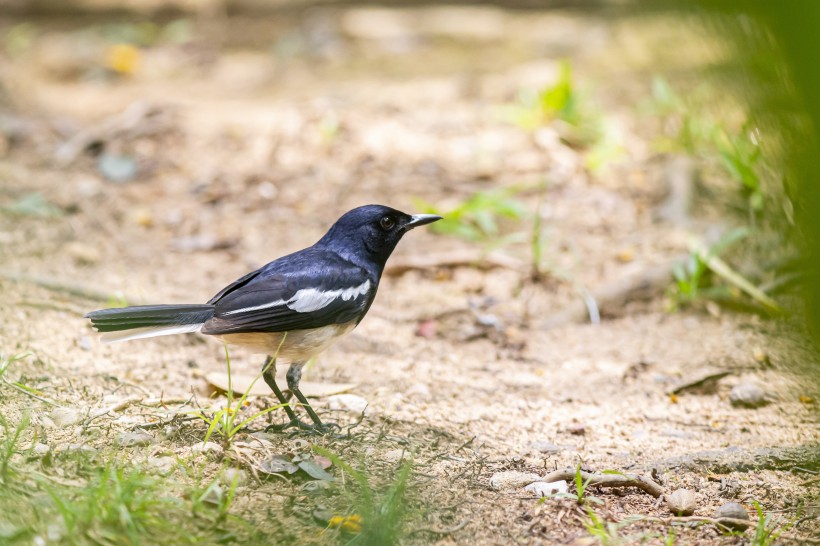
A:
(292, 308)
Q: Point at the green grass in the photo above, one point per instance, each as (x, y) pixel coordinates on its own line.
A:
(8, 446)
(559, 102)
(79, 499)
(768, 528)
(705, 276)
(477, 217)
(580, 496)
(228, 421)
(373, 517)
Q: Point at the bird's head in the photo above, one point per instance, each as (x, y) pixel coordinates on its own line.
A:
(371, 233)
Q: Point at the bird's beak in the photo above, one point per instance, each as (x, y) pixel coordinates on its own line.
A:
(420, 220)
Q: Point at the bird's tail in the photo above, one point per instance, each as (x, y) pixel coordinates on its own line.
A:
(142, 321)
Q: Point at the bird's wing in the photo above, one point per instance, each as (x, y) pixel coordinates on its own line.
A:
(293, 295)
(235, 285)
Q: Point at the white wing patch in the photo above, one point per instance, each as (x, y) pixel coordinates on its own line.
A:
(311, 299)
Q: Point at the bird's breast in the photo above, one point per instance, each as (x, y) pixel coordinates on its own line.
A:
(297, 346)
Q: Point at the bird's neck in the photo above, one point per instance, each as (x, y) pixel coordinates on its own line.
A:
(356, 252)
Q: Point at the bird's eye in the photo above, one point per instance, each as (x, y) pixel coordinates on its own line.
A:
(387, 223)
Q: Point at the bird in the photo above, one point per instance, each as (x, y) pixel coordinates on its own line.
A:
(290, 309)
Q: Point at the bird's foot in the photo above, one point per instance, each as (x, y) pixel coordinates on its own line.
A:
(308, 428)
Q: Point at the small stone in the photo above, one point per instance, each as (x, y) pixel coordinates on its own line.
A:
(135, 439)
(395, 455)
(748, 395)
(732, 510)
(347, 402)
(577, 430)
(208, 448)
(163, 465)
(682, 502)
(39, 449)
(512, 479)
(234, 474)
(545, 447)
(117, 168)
(547, 489)
(64, 417)
(82, 253)
(676, 433)
(640, 434)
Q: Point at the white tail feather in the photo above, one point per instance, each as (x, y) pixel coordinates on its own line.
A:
(153, 331)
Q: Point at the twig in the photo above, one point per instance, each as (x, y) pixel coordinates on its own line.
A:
(608, 480)
(703, 382)
(138, 119)
(119, 406)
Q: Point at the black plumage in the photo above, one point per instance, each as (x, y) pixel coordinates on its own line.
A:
(294, 306)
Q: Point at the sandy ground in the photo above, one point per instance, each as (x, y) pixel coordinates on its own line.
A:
(254, 154)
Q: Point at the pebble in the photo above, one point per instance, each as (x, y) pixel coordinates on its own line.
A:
(547, 489)
(347, 402)
(40, 449)
(64, 417)
(732, 510)
(748, 395)
(512, 479)
(208, 447)
(577, 430)
(682, 502)
(117, 168)
(231, 474)
(395, 455)
(82, 253)
(134, 439)
(163, 465)
(545, 447)
(677, 433)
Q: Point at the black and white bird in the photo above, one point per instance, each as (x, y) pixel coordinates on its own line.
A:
(290, 309)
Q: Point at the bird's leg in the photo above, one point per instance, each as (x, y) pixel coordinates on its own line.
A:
(294, 376)
(269, 375)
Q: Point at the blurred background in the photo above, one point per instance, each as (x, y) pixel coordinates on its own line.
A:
(629, 192)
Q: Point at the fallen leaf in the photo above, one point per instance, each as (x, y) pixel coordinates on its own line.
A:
(323, 462)
(278, 464)
(315, 471)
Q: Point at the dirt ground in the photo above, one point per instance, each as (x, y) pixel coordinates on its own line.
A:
(248, 151)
